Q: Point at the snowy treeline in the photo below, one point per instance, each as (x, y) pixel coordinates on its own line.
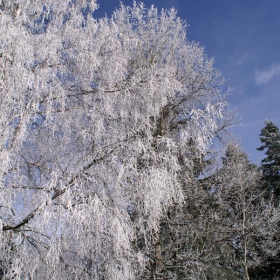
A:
(113, 133)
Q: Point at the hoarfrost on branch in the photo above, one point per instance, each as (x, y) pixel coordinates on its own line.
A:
(96, 119)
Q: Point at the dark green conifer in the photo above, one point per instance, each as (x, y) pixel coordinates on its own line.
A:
(270, 138)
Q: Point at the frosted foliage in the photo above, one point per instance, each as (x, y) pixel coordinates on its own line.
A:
(95, 121)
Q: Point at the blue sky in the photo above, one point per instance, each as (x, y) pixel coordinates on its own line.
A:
(243, 36)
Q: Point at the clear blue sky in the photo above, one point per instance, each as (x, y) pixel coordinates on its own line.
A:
(244, 38)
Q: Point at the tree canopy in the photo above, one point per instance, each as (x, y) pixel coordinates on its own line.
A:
(108, 166)
(95, 121)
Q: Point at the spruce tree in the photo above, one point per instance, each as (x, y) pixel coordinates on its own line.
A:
(270, 138)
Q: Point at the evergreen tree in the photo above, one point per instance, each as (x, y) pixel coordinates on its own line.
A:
(270, 138)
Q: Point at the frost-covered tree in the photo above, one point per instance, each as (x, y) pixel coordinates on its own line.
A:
(96, 121)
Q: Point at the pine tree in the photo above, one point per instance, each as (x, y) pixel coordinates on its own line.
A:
(270, 138)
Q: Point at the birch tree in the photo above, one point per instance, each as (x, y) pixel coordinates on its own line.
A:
(96, 117)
